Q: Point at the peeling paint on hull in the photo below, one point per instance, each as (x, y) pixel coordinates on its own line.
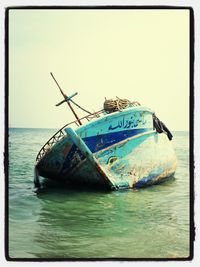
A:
(114, 153)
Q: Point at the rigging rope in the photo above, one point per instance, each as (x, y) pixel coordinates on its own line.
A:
(118, 104)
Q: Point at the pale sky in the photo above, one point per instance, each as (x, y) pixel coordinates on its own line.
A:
(140, 55)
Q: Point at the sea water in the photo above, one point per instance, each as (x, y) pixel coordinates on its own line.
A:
(85, 224)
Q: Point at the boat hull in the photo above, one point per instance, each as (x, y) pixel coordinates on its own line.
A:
(141, 160)
(119, 150)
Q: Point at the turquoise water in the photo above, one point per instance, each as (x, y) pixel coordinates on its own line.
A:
(67, 223)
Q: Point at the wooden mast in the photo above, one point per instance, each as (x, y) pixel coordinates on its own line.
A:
(66, 99)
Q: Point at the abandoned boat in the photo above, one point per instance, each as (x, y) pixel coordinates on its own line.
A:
(122, 146)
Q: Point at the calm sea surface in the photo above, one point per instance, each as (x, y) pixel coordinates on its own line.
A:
(65, 223)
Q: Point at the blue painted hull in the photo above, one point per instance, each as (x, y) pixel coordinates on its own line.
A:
(119, 150)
